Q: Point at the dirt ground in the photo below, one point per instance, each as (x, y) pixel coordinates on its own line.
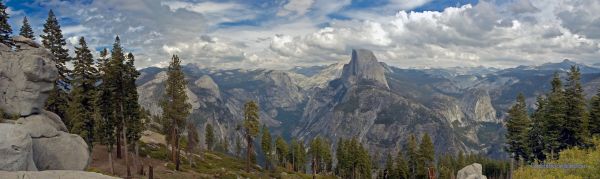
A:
(100, 164)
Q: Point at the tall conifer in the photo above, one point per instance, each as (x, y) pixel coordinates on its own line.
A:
(82, 104)
(53, 40)
(595, 115)
(517, 127)
(251, 125)
(575, 127)
(175, 106)
(26, 30)
(5, 29)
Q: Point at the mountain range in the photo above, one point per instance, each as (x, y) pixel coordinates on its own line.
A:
(461, 108)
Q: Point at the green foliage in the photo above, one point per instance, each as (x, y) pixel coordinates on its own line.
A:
(174, 104)
(297, 155)
(132, 109)
(105, 120)
(320, 153)
(535, 137)
(26, 30)
(595, 115)
(574, 156)
(517, 126)
(281, 150)
(80, 112)
(266, 146)
(209, 137)
(426, 154)
(354, 160)
(554, 117)
(5, 29)
(575, 126)
(53, 40)
(251, 123)
(412, 154)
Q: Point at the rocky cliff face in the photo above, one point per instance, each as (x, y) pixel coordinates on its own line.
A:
(461, 108)
(38, 139)
(364, 66)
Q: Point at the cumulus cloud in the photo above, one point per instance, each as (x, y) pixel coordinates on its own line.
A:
(302, 32)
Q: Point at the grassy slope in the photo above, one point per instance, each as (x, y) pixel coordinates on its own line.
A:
(207, 165)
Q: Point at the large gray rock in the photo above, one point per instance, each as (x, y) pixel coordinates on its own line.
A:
(472, 171)
(15, 149)
(364, 66)
(26, 76)
(39, 126)
(62, 152)
(53, 174)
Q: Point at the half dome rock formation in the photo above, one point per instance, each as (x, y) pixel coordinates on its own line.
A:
(37, 139)
(364, 66)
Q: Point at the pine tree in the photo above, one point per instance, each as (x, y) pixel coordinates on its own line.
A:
(315, 151)
(251, 123)
(82, 105)
(575, 130)
(536, 132)
(265, 144)
(426, 155)
(132, 111)
(209, 137)
(281, 149)
(343, 162)
(5, 29)
(326, 157)
(402, 171)
(53, 40)
(175, 106)
(389, 167)
(412, 153)
(554, 117)
(104, 107)
(595, 115)
(517, 127)
(26, 30)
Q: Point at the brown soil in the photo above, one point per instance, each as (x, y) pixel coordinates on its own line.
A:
(100, 163)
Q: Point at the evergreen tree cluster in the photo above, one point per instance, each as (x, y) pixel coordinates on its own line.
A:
(563, 119)
(353, 160)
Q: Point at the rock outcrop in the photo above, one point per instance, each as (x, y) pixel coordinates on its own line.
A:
(26, 77)
(364, 66)
(59, 174)
(473, 171)
(38, 139)
(15, 149)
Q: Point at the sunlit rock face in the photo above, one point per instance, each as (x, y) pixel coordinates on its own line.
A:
(26, 76)
(37, 139)
(364, 66)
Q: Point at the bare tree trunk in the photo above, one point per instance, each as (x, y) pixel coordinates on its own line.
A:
(125, 145)
(137, 160)
(150, 172)
(249, 139)
(173, 142)
(177, 151)
(119, 144)
(110, 161)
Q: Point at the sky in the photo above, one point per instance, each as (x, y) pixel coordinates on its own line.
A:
(281, 34)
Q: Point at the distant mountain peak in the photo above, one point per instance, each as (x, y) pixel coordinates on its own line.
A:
(364, 66)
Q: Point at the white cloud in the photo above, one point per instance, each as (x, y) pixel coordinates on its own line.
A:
(202, 7)
(295, 7)
(518, 32)
(74, 29)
